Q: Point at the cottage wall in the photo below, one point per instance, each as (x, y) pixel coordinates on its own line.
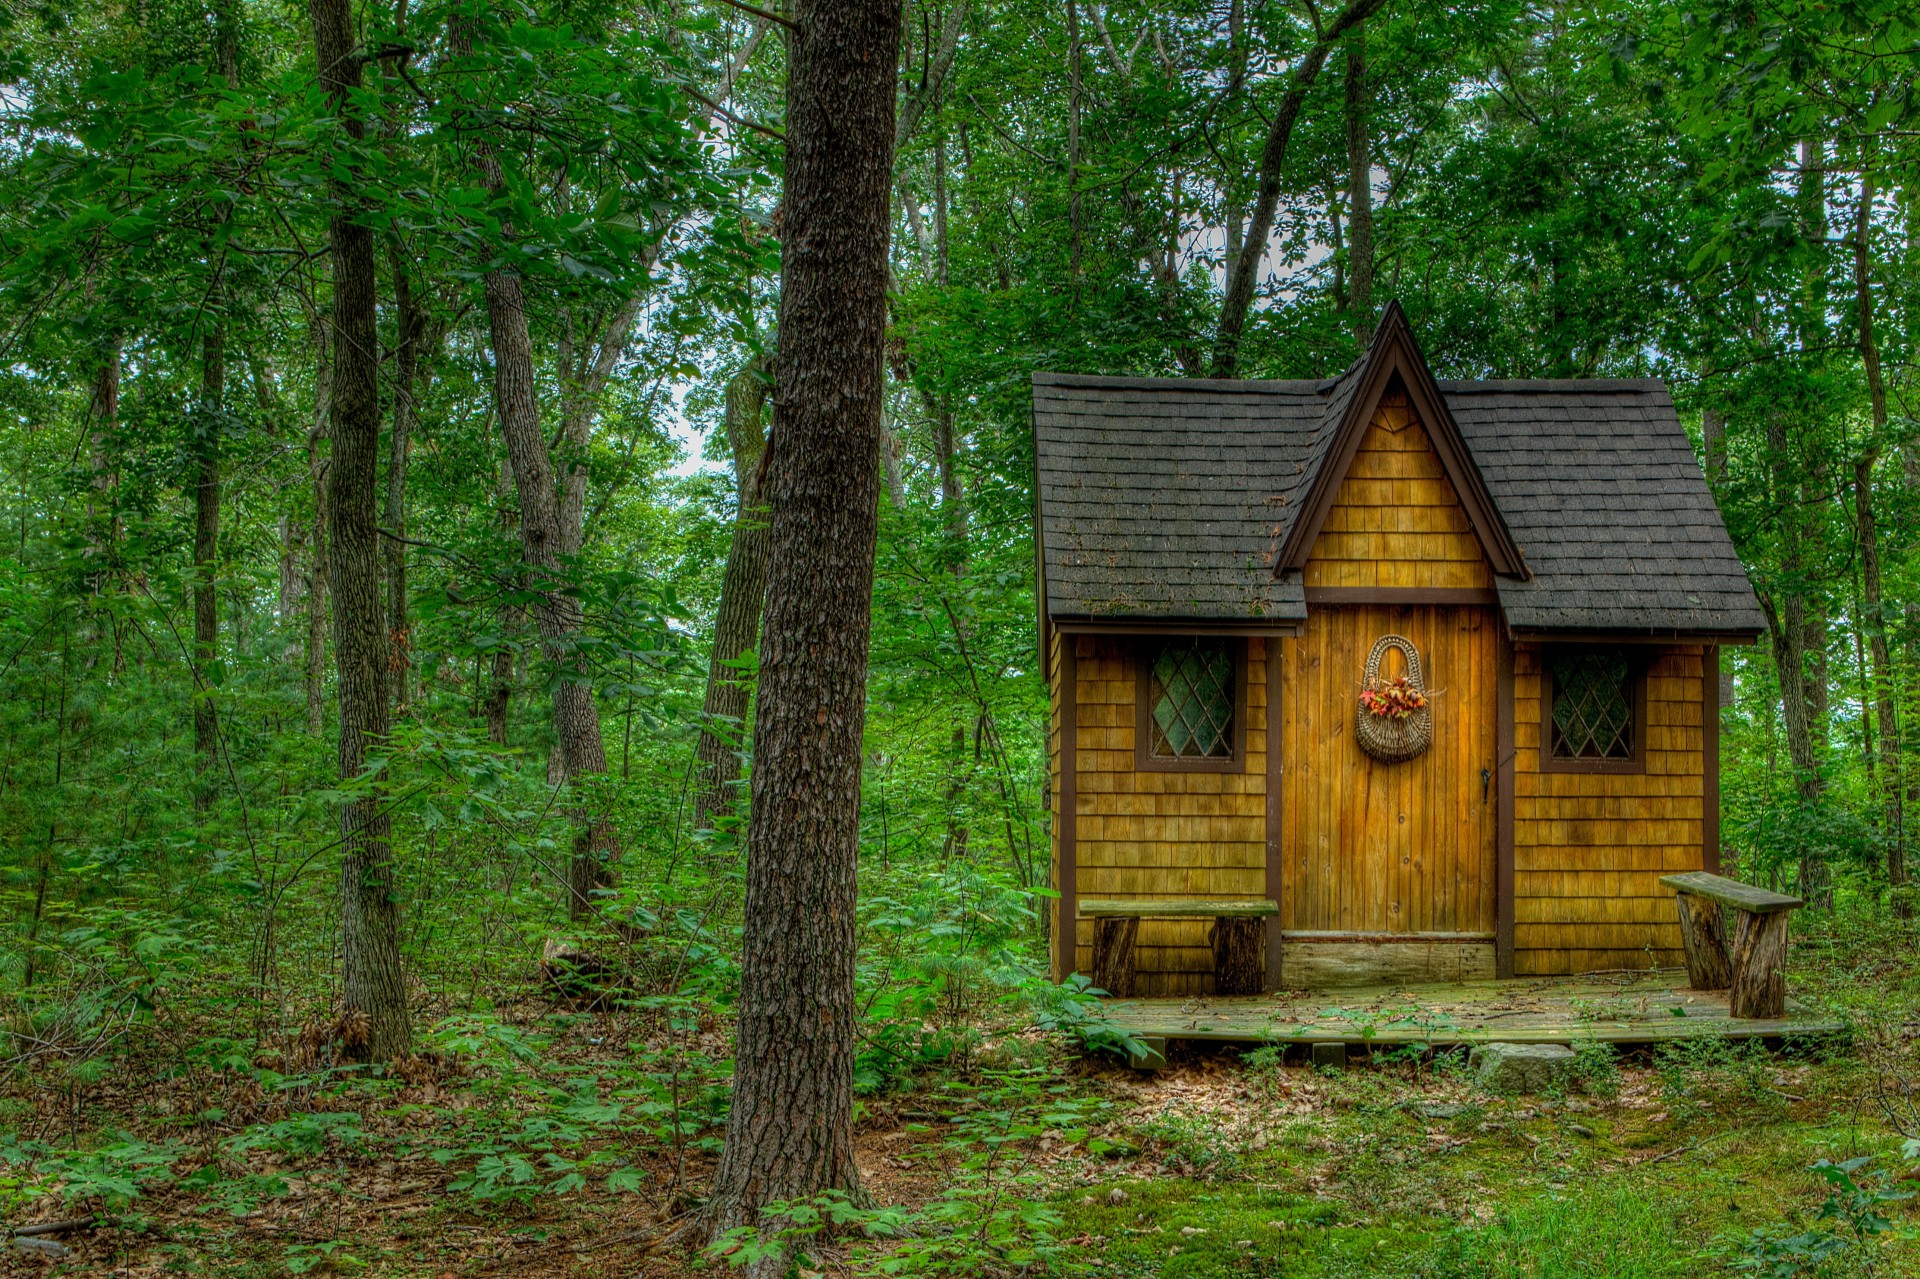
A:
(1589, 848)
(1161, 834)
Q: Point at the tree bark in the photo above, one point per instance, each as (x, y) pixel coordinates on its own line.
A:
(206, 550)
(103, 450)
(1786, 610)
(316, 589)
(376, 1026)
(1113, 940)
(1893, 791)
(1074, 93)
(790, 1134)
(1713, 441)
(1759, 964)
(1239, 955)
(1359, 191)
(1242, 276)
(558, 615)
(411, 325)
(736, 623)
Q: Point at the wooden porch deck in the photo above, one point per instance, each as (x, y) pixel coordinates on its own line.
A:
(1626, 1008)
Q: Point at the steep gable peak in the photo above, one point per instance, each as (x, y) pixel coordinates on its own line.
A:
(1393, 363)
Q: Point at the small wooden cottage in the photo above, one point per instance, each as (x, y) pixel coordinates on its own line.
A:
(1538, 565)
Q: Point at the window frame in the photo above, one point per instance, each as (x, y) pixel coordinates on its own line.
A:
(1637, 664)
(1144, 760)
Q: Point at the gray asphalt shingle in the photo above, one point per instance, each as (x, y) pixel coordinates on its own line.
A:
(1168, 499)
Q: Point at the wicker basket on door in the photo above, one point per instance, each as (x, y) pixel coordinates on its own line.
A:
(1393, 739)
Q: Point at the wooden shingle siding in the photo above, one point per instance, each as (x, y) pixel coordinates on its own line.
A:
(1589, 848)
(1162, 834)
(1397, 521)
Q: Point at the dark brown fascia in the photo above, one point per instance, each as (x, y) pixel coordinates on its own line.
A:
(1283, 627)
(1573, 636)
(1395, 350)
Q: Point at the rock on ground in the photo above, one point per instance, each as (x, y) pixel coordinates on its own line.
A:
(1519, 1068)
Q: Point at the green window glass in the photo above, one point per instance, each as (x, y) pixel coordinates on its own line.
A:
(1192, 701)
(1592, 706)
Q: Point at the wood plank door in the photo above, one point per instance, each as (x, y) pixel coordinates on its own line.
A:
(1371, 850)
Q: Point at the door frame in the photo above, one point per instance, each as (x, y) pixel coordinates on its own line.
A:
(1503, 837)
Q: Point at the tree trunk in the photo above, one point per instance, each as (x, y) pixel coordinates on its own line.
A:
(790, 1134)
(1243, 272)
(736, 623)
(1893, 791)
(376, 1025)
(558, 615)
(103, 451)
(1786, 609)
(1713, 441)
(1074, 93)
(316, 588)
(411, 325)
(206, 550)
(1359, 192)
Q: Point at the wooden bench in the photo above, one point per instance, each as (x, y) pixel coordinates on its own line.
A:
(1754, 971)
(1238, 937)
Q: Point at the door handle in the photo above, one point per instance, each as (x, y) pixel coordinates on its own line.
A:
(1486, 780)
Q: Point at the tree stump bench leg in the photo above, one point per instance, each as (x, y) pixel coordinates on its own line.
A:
(1239, 956)
(1113, 955)
(1705, 938)
(1759, 965)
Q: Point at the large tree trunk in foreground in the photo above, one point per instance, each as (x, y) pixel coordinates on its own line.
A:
(736, 623)
(1243, 272)
(790, 1134)
(376, 1026)
(206, 551)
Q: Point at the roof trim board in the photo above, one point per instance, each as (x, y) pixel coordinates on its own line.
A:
(1395, 351)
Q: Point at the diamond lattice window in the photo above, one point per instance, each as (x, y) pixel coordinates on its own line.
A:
(1192, 691)
(1592, 707)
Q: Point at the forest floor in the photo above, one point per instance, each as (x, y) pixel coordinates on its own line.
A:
(544, 1141)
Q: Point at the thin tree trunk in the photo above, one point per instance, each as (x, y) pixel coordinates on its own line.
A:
(1074, 91)
(1787, 620)
(1243, 274)
(1234, 207)
(411, 325)
(206, 550)
(316, 586)
(376, 1025)
(1713, 439)
(1359, 191)
(790, 1134)
(736, 623)
(558, 615)
(1893, 792)
(103, 451)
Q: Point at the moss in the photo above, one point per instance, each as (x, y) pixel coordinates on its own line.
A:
(1242, 1230)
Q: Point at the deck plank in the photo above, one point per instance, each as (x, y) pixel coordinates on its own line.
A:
(1650, 1007)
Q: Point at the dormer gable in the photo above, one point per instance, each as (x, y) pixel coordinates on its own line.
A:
(1394, 365)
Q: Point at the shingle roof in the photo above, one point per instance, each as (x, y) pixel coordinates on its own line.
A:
(1162, 498)
(1599, 485)
(1166, 499)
